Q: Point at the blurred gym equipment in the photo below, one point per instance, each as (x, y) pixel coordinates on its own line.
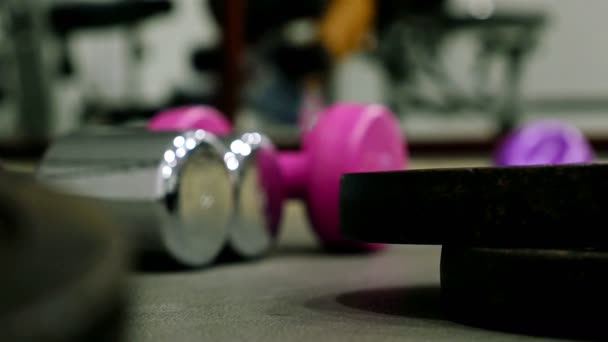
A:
(63, 263)
(412, 40)
(38, 66)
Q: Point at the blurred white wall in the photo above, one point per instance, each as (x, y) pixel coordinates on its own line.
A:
(573, 57)
(168, 41)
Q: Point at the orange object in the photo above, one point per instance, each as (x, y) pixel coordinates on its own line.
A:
(345, 25)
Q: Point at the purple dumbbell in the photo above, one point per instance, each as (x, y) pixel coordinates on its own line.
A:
(345, 137)
(544, 142)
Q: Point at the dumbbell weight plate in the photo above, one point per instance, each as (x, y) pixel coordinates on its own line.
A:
(513, 207)
(258, 196)
(63, 264)
(555, 292)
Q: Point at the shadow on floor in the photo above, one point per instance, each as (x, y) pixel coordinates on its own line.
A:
(283, 250)
(421, 302)
(162, 263)
(157, 263)
(416, 302)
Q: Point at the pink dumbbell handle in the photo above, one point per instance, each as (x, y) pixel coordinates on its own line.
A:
(294, 168)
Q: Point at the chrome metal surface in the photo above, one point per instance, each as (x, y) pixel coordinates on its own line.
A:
(172, 187)
(249, 232)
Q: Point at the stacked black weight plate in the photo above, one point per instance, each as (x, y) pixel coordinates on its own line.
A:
(524, 248)
(546, 292)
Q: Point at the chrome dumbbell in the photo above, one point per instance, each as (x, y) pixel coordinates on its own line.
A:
(252, 158)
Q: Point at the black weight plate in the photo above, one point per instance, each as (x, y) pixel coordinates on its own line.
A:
(62, 265)
(514, 207)
(547, 292)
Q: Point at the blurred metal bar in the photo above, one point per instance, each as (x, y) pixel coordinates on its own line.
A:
(75, 16)
(233, 47)
(26, 27)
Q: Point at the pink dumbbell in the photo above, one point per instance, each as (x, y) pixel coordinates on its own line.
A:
(345, 137)
(191, 117)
